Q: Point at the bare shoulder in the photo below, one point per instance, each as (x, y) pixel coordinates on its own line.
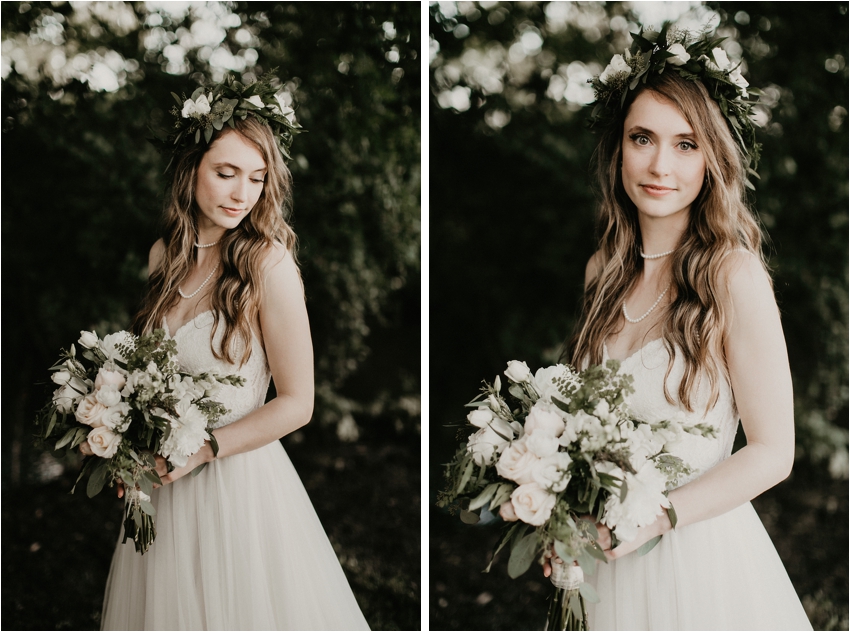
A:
(156, 255)
(594, 268)
(276, 256)
(747, 289)
(280, 269)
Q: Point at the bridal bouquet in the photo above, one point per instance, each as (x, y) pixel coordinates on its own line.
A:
(127, 397)
(565, 447)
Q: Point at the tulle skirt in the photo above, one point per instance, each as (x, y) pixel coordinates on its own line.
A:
(239, 547)
(718, 574)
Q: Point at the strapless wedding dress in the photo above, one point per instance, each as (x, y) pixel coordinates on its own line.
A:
(239, 547)
(718, 574)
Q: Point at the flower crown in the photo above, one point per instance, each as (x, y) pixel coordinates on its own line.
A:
(696, 58)
(210, 109)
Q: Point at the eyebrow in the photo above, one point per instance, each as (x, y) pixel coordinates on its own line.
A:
(644, 130)
(235, 168)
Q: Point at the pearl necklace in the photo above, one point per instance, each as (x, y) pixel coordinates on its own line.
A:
(180, 290)
(658, 256)
(635, 321)
(197, 245)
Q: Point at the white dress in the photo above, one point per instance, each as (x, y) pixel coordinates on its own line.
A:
(718, 574)
(239, 547)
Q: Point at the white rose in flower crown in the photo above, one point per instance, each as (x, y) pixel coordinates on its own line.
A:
(108, 395)
(544, 421)
(518, 372)
(90, 411)
(617, 66)
(188, 433)
(738, 79)
(103, 442)
(533, 504)
(196, 108)
(105, 376)
(643, 504)
(489, 441)
(116, 417)
(720, 58)
(680, 55)
(517, 462)
(256, 100)
(88, 339)
(552, 473)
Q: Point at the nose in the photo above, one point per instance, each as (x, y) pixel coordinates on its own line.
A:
(661, 161)
(239, 193)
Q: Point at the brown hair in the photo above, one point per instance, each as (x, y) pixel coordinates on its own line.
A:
(720, 221)
(237, 294)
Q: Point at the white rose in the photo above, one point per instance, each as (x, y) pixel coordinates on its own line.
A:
(105, 377)
(517, 462)
(484, 445)
(543, 421)
(644, 502)
(108, 395)
(680, 55)
(188, 433)
(103, 442)
(720, 58)
(518, 372)
(542, 445)
(546, 381)
(88, 339)
(480, 417)
(533, 504)
(738, 79)
(110, 343)
(552, 473)
(61, 377)
(115, 418)
(256, 100)
(196, 108)
(90, 411)
(617, 66)
(66, 398)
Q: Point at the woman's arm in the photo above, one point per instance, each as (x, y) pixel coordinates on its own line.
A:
(761, 381)
(289, 350)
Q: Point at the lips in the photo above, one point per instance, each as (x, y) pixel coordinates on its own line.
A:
(656, 189)
(233, 211)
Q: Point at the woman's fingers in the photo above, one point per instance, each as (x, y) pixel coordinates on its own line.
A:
(120, 487)
(85, 448)
(161, 466)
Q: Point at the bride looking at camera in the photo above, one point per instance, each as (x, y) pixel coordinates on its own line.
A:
(238, 546)
(679, 292)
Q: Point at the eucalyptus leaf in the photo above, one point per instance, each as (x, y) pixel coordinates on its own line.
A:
(97, 479)
(509, 535)
(523, 555)
(147, 507)
(646, 547)
(575, 606)
(66, 439)
(562, 552)
(671, 513)
(469, 517)
(208, 132)
(178, 99)
(588, 592)
(51, 423)
(464, 479)
(596, 551)
(483, 497)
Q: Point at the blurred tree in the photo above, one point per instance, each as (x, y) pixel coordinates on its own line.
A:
(80, 84)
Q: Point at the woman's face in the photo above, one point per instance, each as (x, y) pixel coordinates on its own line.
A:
(229, 181)
(663, 168)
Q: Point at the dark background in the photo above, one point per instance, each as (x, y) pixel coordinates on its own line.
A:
(512, 227)
(81, 197)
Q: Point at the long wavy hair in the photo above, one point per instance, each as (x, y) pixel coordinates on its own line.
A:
(237, 294)
(720, 221)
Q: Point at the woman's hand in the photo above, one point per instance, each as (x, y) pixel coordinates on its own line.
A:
(204, 455)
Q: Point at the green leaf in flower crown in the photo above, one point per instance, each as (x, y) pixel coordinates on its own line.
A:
(523, 555)
(208, 132)
(178, 99)
(646, 547)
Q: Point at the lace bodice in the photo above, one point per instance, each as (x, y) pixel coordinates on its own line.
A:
(648, 366)
(195, 356)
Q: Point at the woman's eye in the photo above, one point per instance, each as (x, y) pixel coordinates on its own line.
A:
(257, 181)
(687, 146)
(225, 176)
(640, 139)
